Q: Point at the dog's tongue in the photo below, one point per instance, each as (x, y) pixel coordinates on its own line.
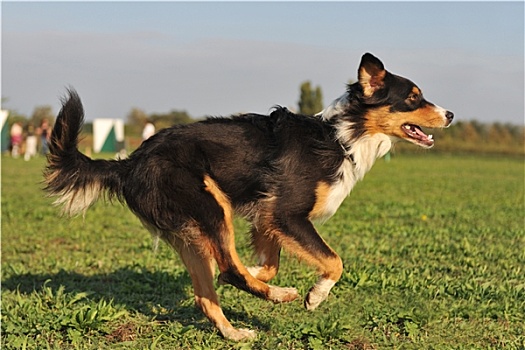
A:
(415, 132)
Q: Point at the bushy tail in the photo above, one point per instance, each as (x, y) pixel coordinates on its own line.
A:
(75, 179)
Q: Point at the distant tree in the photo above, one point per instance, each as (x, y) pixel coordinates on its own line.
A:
(136, 120)
(14, 117)
(499, 134)
(469, 132)
(310, 101)
(481, 128)
(40, 113)
(137, 117)
(515, 130)
(174, 117)
(87, 128)
(318, 106)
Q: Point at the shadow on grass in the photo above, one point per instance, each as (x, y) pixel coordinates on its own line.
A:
(163, 296)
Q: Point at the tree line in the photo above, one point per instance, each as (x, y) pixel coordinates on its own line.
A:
(462, 136)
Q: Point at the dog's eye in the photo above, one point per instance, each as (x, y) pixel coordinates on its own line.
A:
(413, 97)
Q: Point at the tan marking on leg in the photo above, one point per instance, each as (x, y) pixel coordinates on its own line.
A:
(268, 235)
(267, 250)
(329, 267)
(226, 255)
(322, 192)
(201, 268)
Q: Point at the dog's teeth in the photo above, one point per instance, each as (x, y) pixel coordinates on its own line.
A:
(408, 127)
(430, 137)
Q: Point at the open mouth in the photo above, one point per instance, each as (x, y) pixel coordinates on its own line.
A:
(417, 135)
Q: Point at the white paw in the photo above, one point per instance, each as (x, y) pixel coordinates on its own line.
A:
(318, 293)
(282, 295)
(313, 300)
(238, 334)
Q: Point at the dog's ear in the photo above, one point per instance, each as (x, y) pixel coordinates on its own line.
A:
(371, 74)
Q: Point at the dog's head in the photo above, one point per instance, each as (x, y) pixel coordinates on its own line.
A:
(381, 102)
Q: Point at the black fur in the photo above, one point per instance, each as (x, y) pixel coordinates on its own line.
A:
(67, 167)
(249, 156)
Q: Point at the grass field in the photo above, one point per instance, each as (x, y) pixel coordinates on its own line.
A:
(433, 248)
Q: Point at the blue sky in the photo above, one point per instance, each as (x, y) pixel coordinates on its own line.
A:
(219, 58)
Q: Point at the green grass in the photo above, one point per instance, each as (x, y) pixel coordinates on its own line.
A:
(433, 248)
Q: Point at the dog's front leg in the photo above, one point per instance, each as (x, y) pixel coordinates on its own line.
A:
(299, 236)
(319, 292)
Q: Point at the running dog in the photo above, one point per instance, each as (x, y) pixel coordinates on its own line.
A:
(279, 171)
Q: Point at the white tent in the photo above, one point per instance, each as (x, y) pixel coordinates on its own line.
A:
(5, 132)
(108, 135)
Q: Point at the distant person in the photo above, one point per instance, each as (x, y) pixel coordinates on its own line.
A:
(16, 139)
(45, 133)
(31, 142)
(148, 131)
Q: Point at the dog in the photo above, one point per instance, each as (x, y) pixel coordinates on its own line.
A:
(279, 171)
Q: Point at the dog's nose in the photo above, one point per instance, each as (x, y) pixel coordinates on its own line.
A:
(449, 115)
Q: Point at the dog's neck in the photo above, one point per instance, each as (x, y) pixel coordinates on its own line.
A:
(363, 150)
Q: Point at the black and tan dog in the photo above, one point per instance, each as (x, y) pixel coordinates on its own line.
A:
(280, 171)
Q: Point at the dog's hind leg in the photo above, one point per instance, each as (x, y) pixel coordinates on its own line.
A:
(201, 267)
(223, 242)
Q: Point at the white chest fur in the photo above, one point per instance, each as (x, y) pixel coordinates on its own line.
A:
(360, 158)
